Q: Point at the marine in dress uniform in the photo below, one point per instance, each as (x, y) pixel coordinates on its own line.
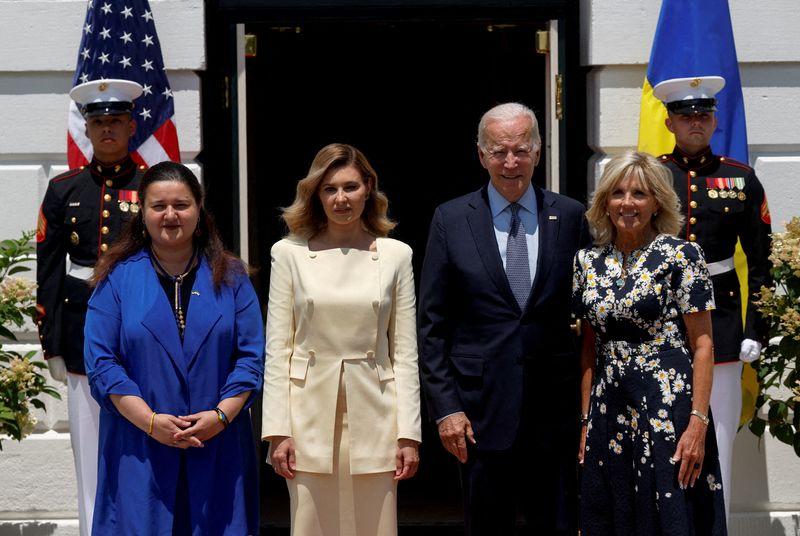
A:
(81, 215)
(724, 202)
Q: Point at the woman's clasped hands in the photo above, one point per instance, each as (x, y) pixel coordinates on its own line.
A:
(186, 431)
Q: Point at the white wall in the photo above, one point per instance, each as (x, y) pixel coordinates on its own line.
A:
(617, 36)
(39, 43)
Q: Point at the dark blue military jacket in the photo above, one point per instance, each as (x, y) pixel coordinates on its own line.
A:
(82, 213)
(723, 201)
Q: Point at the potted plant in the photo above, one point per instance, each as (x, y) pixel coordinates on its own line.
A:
(779, 379)
(21, 383)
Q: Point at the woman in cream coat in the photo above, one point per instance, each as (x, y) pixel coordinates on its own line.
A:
(341, 391)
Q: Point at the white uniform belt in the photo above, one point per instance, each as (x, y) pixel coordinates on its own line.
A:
(80, 272)
(720, 267)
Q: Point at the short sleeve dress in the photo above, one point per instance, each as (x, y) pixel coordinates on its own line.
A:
(641, 395)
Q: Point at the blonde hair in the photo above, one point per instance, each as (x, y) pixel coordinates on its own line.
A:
(305, 216)
(655, 179)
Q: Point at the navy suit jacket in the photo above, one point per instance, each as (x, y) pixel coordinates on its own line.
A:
(478, 350)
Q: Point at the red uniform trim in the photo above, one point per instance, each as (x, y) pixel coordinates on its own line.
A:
(69, 174)
(765, 215)
(41, 227)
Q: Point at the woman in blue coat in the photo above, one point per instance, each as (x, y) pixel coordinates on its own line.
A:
(174, 355)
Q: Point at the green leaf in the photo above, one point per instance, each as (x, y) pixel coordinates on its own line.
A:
(783, 433)
(757, 426)
(36, 403)
(789, 347)
(5, 332)
(778, 411)
(17, 269)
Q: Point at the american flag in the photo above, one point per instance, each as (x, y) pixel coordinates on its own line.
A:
(119, 41)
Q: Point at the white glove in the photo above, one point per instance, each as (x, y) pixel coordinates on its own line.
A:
(57, 368)
(750, 351)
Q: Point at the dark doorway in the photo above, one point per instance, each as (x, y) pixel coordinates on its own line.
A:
(409, 95)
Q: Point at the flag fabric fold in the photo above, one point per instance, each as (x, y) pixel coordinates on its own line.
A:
(119, 40)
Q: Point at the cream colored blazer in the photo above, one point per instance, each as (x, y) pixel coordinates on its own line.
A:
(369, 335)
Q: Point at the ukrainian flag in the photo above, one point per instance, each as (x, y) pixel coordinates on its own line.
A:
(695, 38)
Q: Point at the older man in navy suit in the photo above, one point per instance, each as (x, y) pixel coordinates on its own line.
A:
(498, 360)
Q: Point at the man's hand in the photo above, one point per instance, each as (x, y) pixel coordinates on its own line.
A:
(57, 368)
(454, 430)
(750, 351)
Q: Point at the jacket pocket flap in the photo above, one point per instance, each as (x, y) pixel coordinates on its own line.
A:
(298, 367)
(468, 365)
(384, 366)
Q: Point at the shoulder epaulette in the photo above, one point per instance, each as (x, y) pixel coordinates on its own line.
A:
(67, 174)
(734, 162)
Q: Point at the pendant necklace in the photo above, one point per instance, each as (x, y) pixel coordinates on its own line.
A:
(177, 280)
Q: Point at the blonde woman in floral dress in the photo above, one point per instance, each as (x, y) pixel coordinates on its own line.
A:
(650, 462)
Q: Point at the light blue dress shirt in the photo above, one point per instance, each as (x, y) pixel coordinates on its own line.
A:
(501, 219)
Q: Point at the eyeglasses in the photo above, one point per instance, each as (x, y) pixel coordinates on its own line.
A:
(501, 154)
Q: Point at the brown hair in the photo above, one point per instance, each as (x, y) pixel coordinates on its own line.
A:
(305, 216)
(134, 236)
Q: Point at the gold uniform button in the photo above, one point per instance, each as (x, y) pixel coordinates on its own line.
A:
(692, 237)
(693, 188)
(73, 219)
(727, 209)
(106, 214)
(103, 247)
(693, 204)
(107, 198)
(66, 300)
(693, 174)
(731, 294)
(692, 220)
(104, 230)
(109, 183)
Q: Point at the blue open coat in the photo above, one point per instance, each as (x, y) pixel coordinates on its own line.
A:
(133, 348)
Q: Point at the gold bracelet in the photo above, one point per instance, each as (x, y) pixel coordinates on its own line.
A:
(152, 420)
(702, 416)
(584, 419)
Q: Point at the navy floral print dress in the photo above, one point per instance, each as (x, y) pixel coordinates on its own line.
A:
(641, 395)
